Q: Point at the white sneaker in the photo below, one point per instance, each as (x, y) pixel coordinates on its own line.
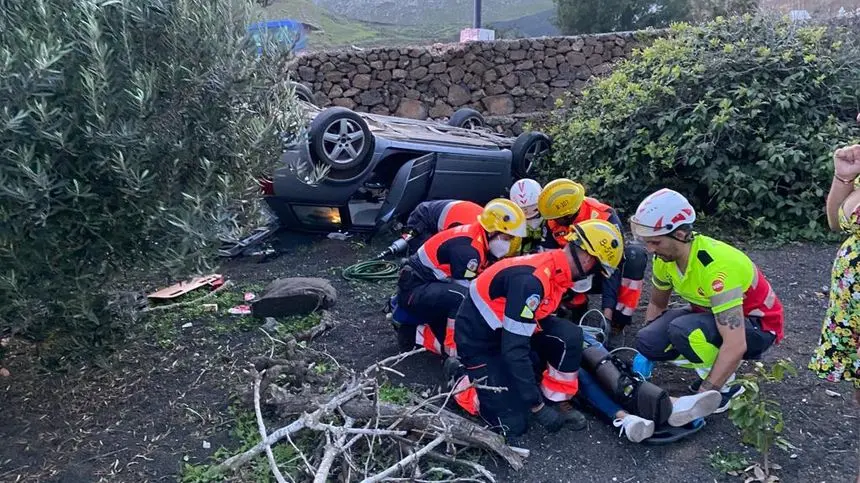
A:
(690, 408)
(634, 427)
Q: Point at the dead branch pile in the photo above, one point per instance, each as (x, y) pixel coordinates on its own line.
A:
(356, 436)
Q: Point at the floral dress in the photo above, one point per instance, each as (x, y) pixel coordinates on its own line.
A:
(836, 358)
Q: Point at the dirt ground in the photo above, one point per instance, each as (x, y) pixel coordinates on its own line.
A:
(164, 399)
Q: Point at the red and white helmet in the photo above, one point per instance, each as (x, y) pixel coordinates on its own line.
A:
(525, 193)
(661, 213)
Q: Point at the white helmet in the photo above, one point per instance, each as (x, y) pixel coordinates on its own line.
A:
(661, 213)
(525, 193)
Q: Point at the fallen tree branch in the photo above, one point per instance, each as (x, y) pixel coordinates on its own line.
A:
(237, 461)
(406, 461)
(331, 452)
(262, 427)
(326, 322)
(471, 464)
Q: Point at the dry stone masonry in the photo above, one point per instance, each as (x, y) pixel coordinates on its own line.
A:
(504, 78)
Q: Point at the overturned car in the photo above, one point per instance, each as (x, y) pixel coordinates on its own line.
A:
(380, 167)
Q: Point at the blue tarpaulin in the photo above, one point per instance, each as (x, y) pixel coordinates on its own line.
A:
(285, 31)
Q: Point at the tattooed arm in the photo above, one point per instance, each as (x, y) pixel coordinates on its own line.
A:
(731, 324)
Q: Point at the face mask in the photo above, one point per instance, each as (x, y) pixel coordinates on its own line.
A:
(534, 223)
(499, 247)
(584, 285)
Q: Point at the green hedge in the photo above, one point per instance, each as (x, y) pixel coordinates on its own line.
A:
(132, 134)
(739, 114)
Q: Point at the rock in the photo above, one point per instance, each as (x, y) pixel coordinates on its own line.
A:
(456, 74)
(563, 46)
(361, 81)
(542, 75)
(437, 67)
(334, 76)
(499, 105)
(458, 95)
(380, 109)
(346, 68)
(550, 63)
(371, 98)
(384, 75)
(518, 91)
(601, 69)
(560, 83)
(425, 59)
(575, 58)
(377, 65)
(412, 109)
(294, 296)
(479, 68)
(525, 65)
(440, 109)
(398, 74)
(438, 88)
(588, 50)
(413, 94)
(376, 84)
(538, 90)
(517, 54)
(350, 92)
(418, 72)
(526, 77)
(363, 69)
(335, 92)
(490, 76)
(594, 60)
(510, 80)
(390, 64)
(307, 74)
(494, 89)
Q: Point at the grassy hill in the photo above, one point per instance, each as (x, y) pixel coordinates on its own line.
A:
(372, 22)
(340, 31)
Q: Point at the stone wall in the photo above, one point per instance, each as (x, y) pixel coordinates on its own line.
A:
(505, 80)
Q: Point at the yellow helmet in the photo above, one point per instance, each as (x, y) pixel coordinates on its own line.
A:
(600, 239)
(559, 198)
(505, 216)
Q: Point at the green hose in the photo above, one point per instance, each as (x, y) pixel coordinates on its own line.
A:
(372, 270)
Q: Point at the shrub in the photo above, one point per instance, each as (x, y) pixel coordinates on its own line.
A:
(739, 114)
(132, 134)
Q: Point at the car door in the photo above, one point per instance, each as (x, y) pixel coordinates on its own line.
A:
(408, 188)
(477, 177)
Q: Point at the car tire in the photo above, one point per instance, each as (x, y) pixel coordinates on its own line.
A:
(467, 119)
(304, 93)
(340, 138)
(529, 149)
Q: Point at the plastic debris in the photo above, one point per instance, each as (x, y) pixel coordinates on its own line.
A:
(832, 393)
(249, 296)
(241, 310)
(335, 235)
(186, 325)
(206, 445)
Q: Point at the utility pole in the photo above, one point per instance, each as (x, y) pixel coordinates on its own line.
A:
(477, 23)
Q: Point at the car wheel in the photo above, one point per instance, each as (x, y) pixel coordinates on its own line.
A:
(467, 119)
(530, 150)
(340, 138)
(304, 93)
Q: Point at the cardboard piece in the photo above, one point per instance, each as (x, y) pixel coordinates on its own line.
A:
(212, 281)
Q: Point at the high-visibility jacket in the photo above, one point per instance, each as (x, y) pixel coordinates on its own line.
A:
(458, 254)
(512, 296)
(618, 293)
(591, 209)
(431, 217)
